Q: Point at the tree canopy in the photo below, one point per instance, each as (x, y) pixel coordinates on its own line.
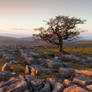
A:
(60, 28)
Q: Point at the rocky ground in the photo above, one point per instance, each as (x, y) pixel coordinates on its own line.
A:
(47, 74)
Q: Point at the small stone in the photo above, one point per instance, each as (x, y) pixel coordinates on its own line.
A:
(66, 82)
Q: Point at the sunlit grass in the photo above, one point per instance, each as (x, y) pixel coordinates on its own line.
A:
(18, 68)
(81, 51)
(53, 75)
(46, 50)
(78, 65)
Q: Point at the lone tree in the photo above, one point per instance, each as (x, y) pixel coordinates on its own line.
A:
(59, 29)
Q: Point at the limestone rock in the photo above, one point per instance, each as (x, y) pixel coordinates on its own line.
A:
(56, 63)
(4, 76)
(74, 89)
(58, 87)
(85, 72)
(66, 73)
(89, 87)
(5, 67)
(66, 82)
(78, 80)
(46, 88)
(27, 71)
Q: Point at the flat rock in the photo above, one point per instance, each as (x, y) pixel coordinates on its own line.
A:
(74, 89)
(89, 87)
(66, 72)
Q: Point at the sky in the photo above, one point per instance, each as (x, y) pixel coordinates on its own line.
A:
(21, 17)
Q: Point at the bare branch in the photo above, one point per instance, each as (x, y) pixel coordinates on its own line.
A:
(60, 28)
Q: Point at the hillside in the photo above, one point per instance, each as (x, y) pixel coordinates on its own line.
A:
(14, 41)
(29, 41)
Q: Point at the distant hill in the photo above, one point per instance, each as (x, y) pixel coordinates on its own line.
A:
(29, 41)
(14, 41)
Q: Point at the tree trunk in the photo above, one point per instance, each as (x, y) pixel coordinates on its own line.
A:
(61, 47)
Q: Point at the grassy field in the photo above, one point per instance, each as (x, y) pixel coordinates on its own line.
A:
(80, 48)
(18, 68)
(81, 51)
(77, 51)
(77, 44)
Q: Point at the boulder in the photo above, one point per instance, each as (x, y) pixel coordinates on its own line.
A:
(27, 70)
(78, 80)
(37, 82)
(20, 87)
(35, 55)
(6, 67)
(56, 63)
(9, 85)
(56, 86)
(30, 60)
(89, 87)
(67, 82)
(19, 84)
(82, 75)
(4, 75)
(85, 72)
(46, 88)
(74, 89)
(34, 70)
(52, 82)
(29, 77)
(39, 70)
(66, 73)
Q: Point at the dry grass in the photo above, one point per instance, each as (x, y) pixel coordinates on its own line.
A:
(53, 75)
(18, 68)
(47, 50)
(81, 51)
(78, 51)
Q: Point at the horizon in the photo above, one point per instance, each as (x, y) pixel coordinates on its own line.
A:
(81, 37)
(21, 17)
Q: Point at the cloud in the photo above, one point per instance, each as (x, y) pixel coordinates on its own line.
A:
(14, 6)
